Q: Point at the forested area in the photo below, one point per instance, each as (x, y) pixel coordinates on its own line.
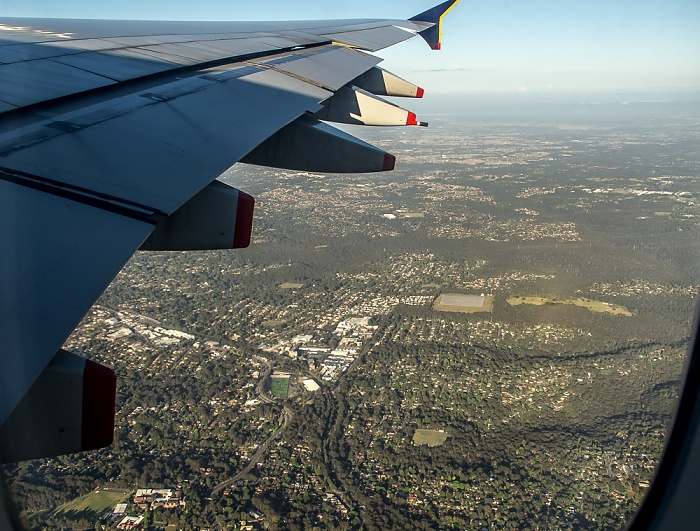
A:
(548, 416)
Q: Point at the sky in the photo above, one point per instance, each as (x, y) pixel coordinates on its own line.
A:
(489, 46)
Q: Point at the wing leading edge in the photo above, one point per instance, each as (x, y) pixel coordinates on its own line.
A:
(124, 141)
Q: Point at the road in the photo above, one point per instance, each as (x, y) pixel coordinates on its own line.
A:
(260, 389)
(285, 419)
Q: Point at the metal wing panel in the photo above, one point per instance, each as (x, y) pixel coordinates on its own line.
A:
(81, 45)
(101, 51)
(165, 151)
(329, 67)
(274, 41)
(8, 55)
(192, 51)
(302, 38)
(16, 35)
(147, 57)
(64, 254)
(374, 39)
(131, 42)
(26, 83)
(115, 66)
(232, 47)
(158, 54)
(41, 51)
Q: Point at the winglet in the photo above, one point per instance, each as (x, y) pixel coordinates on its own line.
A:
(433, 34)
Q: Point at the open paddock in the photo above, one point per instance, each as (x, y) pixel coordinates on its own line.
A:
(431, 438)
(291, 285)
(593, 306)
(272, 323)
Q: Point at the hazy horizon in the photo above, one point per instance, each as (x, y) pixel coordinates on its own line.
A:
(499, 46)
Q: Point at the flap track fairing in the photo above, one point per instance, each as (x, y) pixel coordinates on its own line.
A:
(310, 145)
(383, 83)
(352, 105)
(69, 408)
(218, 217)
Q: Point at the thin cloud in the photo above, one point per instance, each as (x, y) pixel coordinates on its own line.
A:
(447, 70)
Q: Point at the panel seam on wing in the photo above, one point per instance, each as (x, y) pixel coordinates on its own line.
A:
(78, 195)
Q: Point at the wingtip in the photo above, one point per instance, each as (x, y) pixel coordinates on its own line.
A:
(434, 14)
(433, 34)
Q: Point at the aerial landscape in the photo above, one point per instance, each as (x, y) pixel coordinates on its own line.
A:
(490, 336)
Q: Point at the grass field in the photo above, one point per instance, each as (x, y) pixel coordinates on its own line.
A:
(430, 437)
(273, 323)
(594, 306)
(95, 502)
(463, 303)
(89, 506)
(291, 285)
(279, 387)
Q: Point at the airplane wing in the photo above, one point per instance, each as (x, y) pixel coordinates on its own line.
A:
(112, 135)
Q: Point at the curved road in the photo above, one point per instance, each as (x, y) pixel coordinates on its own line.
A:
(286, 418)
(287, 414)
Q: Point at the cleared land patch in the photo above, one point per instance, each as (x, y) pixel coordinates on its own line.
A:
(88, 506)
(291, 285)
(430, 437)
(279, 386)
(273, 323)
(455, 302)
(594, 306)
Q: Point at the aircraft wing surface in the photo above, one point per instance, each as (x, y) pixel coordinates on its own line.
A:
(112, 135)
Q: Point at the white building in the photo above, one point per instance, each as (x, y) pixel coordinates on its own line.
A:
(311, 385)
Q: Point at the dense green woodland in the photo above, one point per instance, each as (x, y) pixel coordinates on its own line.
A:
(555, 415)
